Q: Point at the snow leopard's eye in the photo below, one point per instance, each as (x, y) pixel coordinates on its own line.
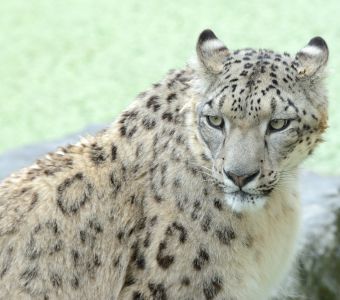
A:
(215, 121)
(278, 124)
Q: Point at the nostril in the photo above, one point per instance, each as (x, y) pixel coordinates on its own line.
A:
(251, 177)
(241, 180)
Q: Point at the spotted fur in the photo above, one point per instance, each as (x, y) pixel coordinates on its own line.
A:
(161, 205)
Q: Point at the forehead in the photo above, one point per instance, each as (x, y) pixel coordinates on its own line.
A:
(255, 78)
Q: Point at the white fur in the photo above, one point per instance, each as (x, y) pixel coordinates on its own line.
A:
(211, 45)
(312, 50)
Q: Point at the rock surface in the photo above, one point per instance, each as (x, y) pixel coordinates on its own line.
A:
(320, 259)
(16, 159)
(319, 264)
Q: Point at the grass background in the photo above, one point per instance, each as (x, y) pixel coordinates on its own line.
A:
(68, 63)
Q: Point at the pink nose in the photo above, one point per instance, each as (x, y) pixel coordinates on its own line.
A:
(241, 180)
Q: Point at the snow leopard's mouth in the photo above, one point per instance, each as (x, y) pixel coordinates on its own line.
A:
(246, 196)
(243, 196)
(241, 201)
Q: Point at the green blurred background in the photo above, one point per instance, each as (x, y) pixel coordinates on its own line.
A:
(69, 63)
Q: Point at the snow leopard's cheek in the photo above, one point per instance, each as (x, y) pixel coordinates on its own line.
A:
(213, 137)
(281, 145)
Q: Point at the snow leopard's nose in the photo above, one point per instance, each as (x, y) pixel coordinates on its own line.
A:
(241, 180)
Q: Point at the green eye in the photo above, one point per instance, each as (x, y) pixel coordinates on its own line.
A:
(215, 121)
(278, 124)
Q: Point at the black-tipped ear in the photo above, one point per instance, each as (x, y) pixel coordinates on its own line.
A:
(211, 52)
(313, 58)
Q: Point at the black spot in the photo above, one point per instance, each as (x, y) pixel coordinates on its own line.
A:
(171, 97)
(120, 235)
(56, 247)
(135, 251)
(97, 155)
(28, 275)
(56, 280)
(167, 116)
(113, 152)
(212, 288)
(132, 131)
(164, 261)
(141, 224)
(122, 130)
(75, 282)
(226, 235)
(197, 207)
(146, 242)
(177, 183)
(205, 223)
(34, 201)
(153, 103)
(53, 226)
(148, 123)
(140, 262)
(158, 291)
(70, 203)
(201, 260)
(183, 232)
(82, 235)
(115, 183)
(96, 260)
(129, 280)
(169, 231)
(244, 73)
(32, 251)
(218, 204)
(137, 296)
(95, 225)
(128, 115)
(314, 117)
(75, 257)
(153, 220)
(37, 228)
(205, 192)
(158, 198)
(185, 281)
(117, 261)
(223, 89)
(7, 261)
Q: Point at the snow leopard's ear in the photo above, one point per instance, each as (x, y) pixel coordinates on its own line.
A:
(312, 59)
(211, 52)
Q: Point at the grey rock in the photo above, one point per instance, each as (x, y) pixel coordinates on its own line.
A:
(319, 263)
(17, 159)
